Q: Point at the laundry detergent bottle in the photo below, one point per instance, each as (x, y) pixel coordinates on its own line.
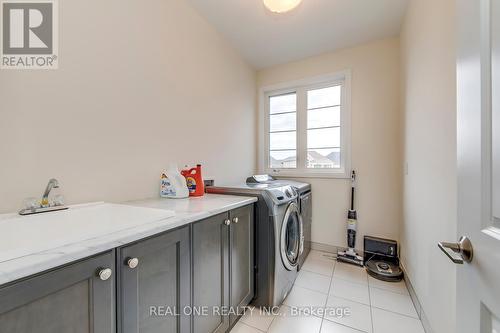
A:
(194, 181)
(173, 184)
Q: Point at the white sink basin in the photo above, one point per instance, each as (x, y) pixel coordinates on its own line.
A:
(24, 235)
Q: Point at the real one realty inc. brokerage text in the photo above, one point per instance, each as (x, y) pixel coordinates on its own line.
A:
(294, 311)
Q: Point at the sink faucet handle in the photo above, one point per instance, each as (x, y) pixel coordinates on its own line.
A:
(31, 203)
(58, 200)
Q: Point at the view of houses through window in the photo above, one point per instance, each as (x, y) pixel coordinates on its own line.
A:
(322, 131)
(323, 127)
(283, 131)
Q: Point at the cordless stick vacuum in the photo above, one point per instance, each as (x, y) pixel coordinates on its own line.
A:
(350, 256)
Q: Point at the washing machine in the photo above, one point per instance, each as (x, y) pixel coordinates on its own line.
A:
(305, 205)
(289, 243)
(279, 238)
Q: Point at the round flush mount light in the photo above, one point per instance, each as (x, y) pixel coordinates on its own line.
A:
(281, 6)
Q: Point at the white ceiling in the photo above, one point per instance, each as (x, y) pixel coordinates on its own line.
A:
(316, 26)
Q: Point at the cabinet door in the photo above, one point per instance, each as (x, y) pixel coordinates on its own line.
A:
(210, 274)
(155, 284)
(71, 299)
(241, 254)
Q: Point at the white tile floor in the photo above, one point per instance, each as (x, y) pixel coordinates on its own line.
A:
(323, 284)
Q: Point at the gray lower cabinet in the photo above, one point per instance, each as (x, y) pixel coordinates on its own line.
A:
(70, 299)
(154, 284)
(211, 274)
(241, 254)
(191, 279)
(223, 268)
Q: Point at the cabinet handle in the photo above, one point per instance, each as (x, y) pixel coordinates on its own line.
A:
(227, 222)
(104, 273)
(236, 220)
(132, 262)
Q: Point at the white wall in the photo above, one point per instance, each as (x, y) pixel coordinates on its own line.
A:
(376, 140)
(429, 104)
(139, 85)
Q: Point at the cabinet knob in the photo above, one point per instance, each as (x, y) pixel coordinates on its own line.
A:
(104, 273)
(227, 222)
(132, 262)
(235, 220)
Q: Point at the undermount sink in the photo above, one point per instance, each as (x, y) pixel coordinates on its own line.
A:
(24, 235)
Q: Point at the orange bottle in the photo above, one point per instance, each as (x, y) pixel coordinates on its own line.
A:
(194, 181)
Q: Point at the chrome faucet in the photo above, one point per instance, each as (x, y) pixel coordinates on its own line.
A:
(44, 205)
(53, 183)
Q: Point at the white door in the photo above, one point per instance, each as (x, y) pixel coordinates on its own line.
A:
(478, 84)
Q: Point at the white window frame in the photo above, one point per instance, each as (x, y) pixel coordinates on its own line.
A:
(301, 86)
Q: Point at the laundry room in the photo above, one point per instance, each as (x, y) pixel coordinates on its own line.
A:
(298, 166)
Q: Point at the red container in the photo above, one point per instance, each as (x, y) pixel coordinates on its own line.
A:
(194, 181)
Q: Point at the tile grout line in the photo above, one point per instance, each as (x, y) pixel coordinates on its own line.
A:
(344, 325)
(357, 284)
(272, 319)
(370, 300)
(350, 300)
(367, 285)
(387, 310)
(391, 291)
(397, 313)
(328, 295)
(305, 269)
(376, 307)
(351, 281)
(387, 289)
(245, 324)
(296, 285)
(316, 273)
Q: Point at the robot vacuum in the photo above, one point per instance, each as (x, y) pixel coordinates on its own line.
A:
(384, 270)
(381, 259)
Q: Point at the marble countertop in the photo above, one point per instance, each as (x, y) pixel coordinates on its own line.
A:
(41, 251)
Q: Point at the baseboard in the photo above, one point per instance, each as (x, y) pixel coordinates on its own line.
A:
(330, 248)
(324, 247)
(418, 306)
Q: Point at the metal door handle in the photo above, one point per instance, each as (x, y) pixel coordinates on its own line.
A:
(458, 252)
(236, 220)
(227, 222)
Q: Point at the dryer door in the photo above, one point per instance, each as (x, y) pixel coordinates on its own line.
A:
(292, 238)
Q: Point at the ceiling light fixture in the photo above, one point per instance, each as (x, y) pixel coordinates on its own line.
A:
(281, 6)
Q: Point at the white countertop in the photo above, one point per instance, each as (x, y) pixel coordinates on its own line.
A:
(36, 243)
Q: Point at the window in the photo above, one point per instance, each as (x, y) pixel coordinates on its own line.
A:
(283, 131)
(307, 128)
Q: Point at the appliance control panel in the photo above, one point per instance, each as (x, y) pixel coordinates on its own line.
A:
(282, 194)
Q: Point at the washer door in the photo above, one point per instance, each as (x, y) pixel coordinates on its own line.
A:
(292, 239)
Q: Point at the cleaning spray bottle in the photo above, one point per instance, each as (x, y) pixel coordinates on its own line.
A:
(173, 184)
